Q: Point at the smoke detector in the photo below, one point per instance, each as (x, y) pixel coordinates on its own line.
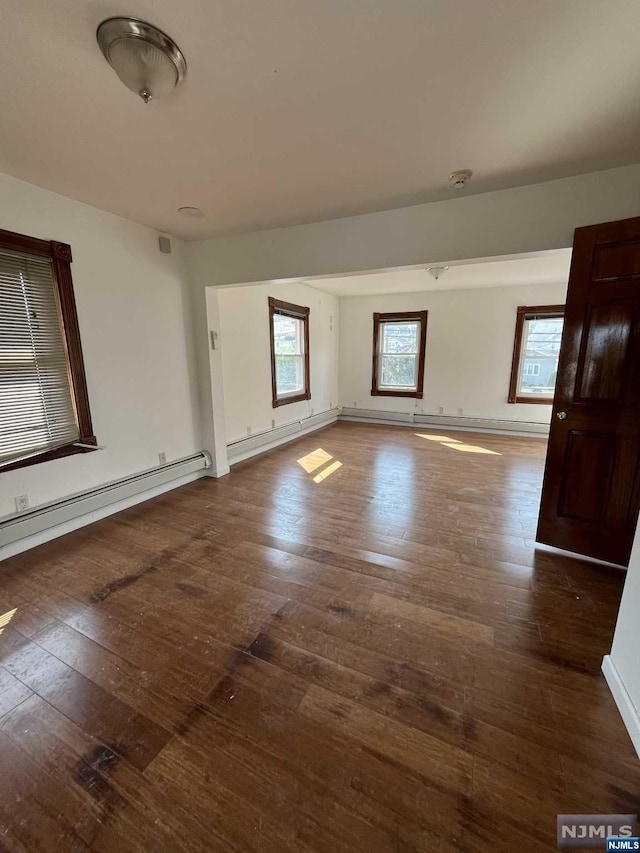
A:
(459, 179)
(437, 272)
(190, 212)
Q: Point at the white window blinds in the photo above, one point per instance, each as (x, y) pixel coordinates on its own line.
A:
(37, 411)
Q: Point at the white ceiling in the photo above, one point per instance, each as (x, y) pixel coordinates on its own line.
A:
(299, 110)
(546, 269)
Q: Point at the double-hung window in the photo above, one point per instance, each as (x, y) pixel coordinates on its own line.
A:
(535, 353)
(44, 406)
(399, 345)
(289, 333)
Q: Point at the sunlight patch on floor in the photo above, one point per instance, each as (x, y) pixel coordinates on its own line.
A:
(471, 448)
(317, 459)
(328, 471)
(314, 460)
(455, 444)
(6, 618)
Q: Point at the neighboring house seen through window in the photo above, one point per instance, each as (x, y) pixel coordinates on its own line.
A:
(399, 344)
(44, 406)
(289, 334)
(535, 354)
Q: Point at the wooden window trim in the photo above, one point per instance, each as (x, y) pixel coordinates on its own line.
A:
(61, 259)
(277, 306)
(396, 317)
(522, 313)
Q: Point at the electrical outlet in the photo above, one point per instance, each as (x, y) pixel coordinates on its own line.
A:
(273, 423)
(441, 410)
(460, 411)
(22, 503)
(162, 458)
(312, 411)
(248, 430)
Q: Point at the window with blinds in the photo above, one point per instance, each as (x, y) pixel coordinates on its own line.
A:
(38, 398)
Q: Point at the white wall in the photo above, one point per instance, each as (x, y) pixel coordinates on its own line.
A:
(625, 652)
(470, 337)
(622, 666)
(135, 325)
(246, 359)
(508, 222)
(514, 221)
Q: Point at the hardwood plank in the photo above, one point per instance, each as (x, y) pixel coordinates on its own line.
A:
(12, 692)
(431, 758)
(94, 709)
(379, 661)
(444, 623)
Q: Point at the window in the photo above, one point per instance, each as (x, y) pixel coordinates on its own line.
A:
(44, 407)
(535, 354)
(399, 343)
(289, 331)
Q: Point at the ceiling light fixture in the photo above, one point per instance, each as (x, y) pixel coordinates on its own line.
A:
(436, 272)
(192, 212)
(147, 61)
(459, 179)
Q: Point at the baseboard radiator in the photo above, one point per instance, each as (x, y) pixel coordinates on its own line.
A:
(244, 448)
(418, 419)
(61, 512)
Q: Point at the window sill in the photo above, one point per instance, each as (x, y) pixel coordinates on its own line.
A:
(376, 392)
(294, 398)
(49, 455)
(545, 401)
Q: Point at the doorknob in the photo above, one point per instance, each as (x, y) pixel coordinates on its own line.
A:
(561, 416)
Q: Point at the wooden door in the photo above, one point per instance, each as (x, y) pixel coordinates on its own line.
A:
(591, 490)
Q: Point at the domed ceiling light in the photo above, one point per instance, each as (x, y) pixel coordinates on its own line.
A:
(147, 61)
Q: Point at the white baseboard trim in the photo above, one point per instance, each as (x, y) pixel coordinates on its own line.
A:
(415, 420)
(253, 445)
(218, 472)
(628, 711)
(21, 532)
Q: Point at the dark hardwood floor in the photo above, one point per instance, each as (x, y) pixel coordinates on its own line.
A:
(364, 657)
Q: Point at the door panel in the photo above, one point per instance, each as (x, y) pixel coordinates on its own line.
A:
(588, 464)
(607, 333)
(616, 261)
(591, 489)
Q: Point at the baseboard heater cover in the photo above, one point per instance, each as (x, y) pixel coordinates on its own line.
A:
(417, 419)
(34, 521)
(244, 448)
